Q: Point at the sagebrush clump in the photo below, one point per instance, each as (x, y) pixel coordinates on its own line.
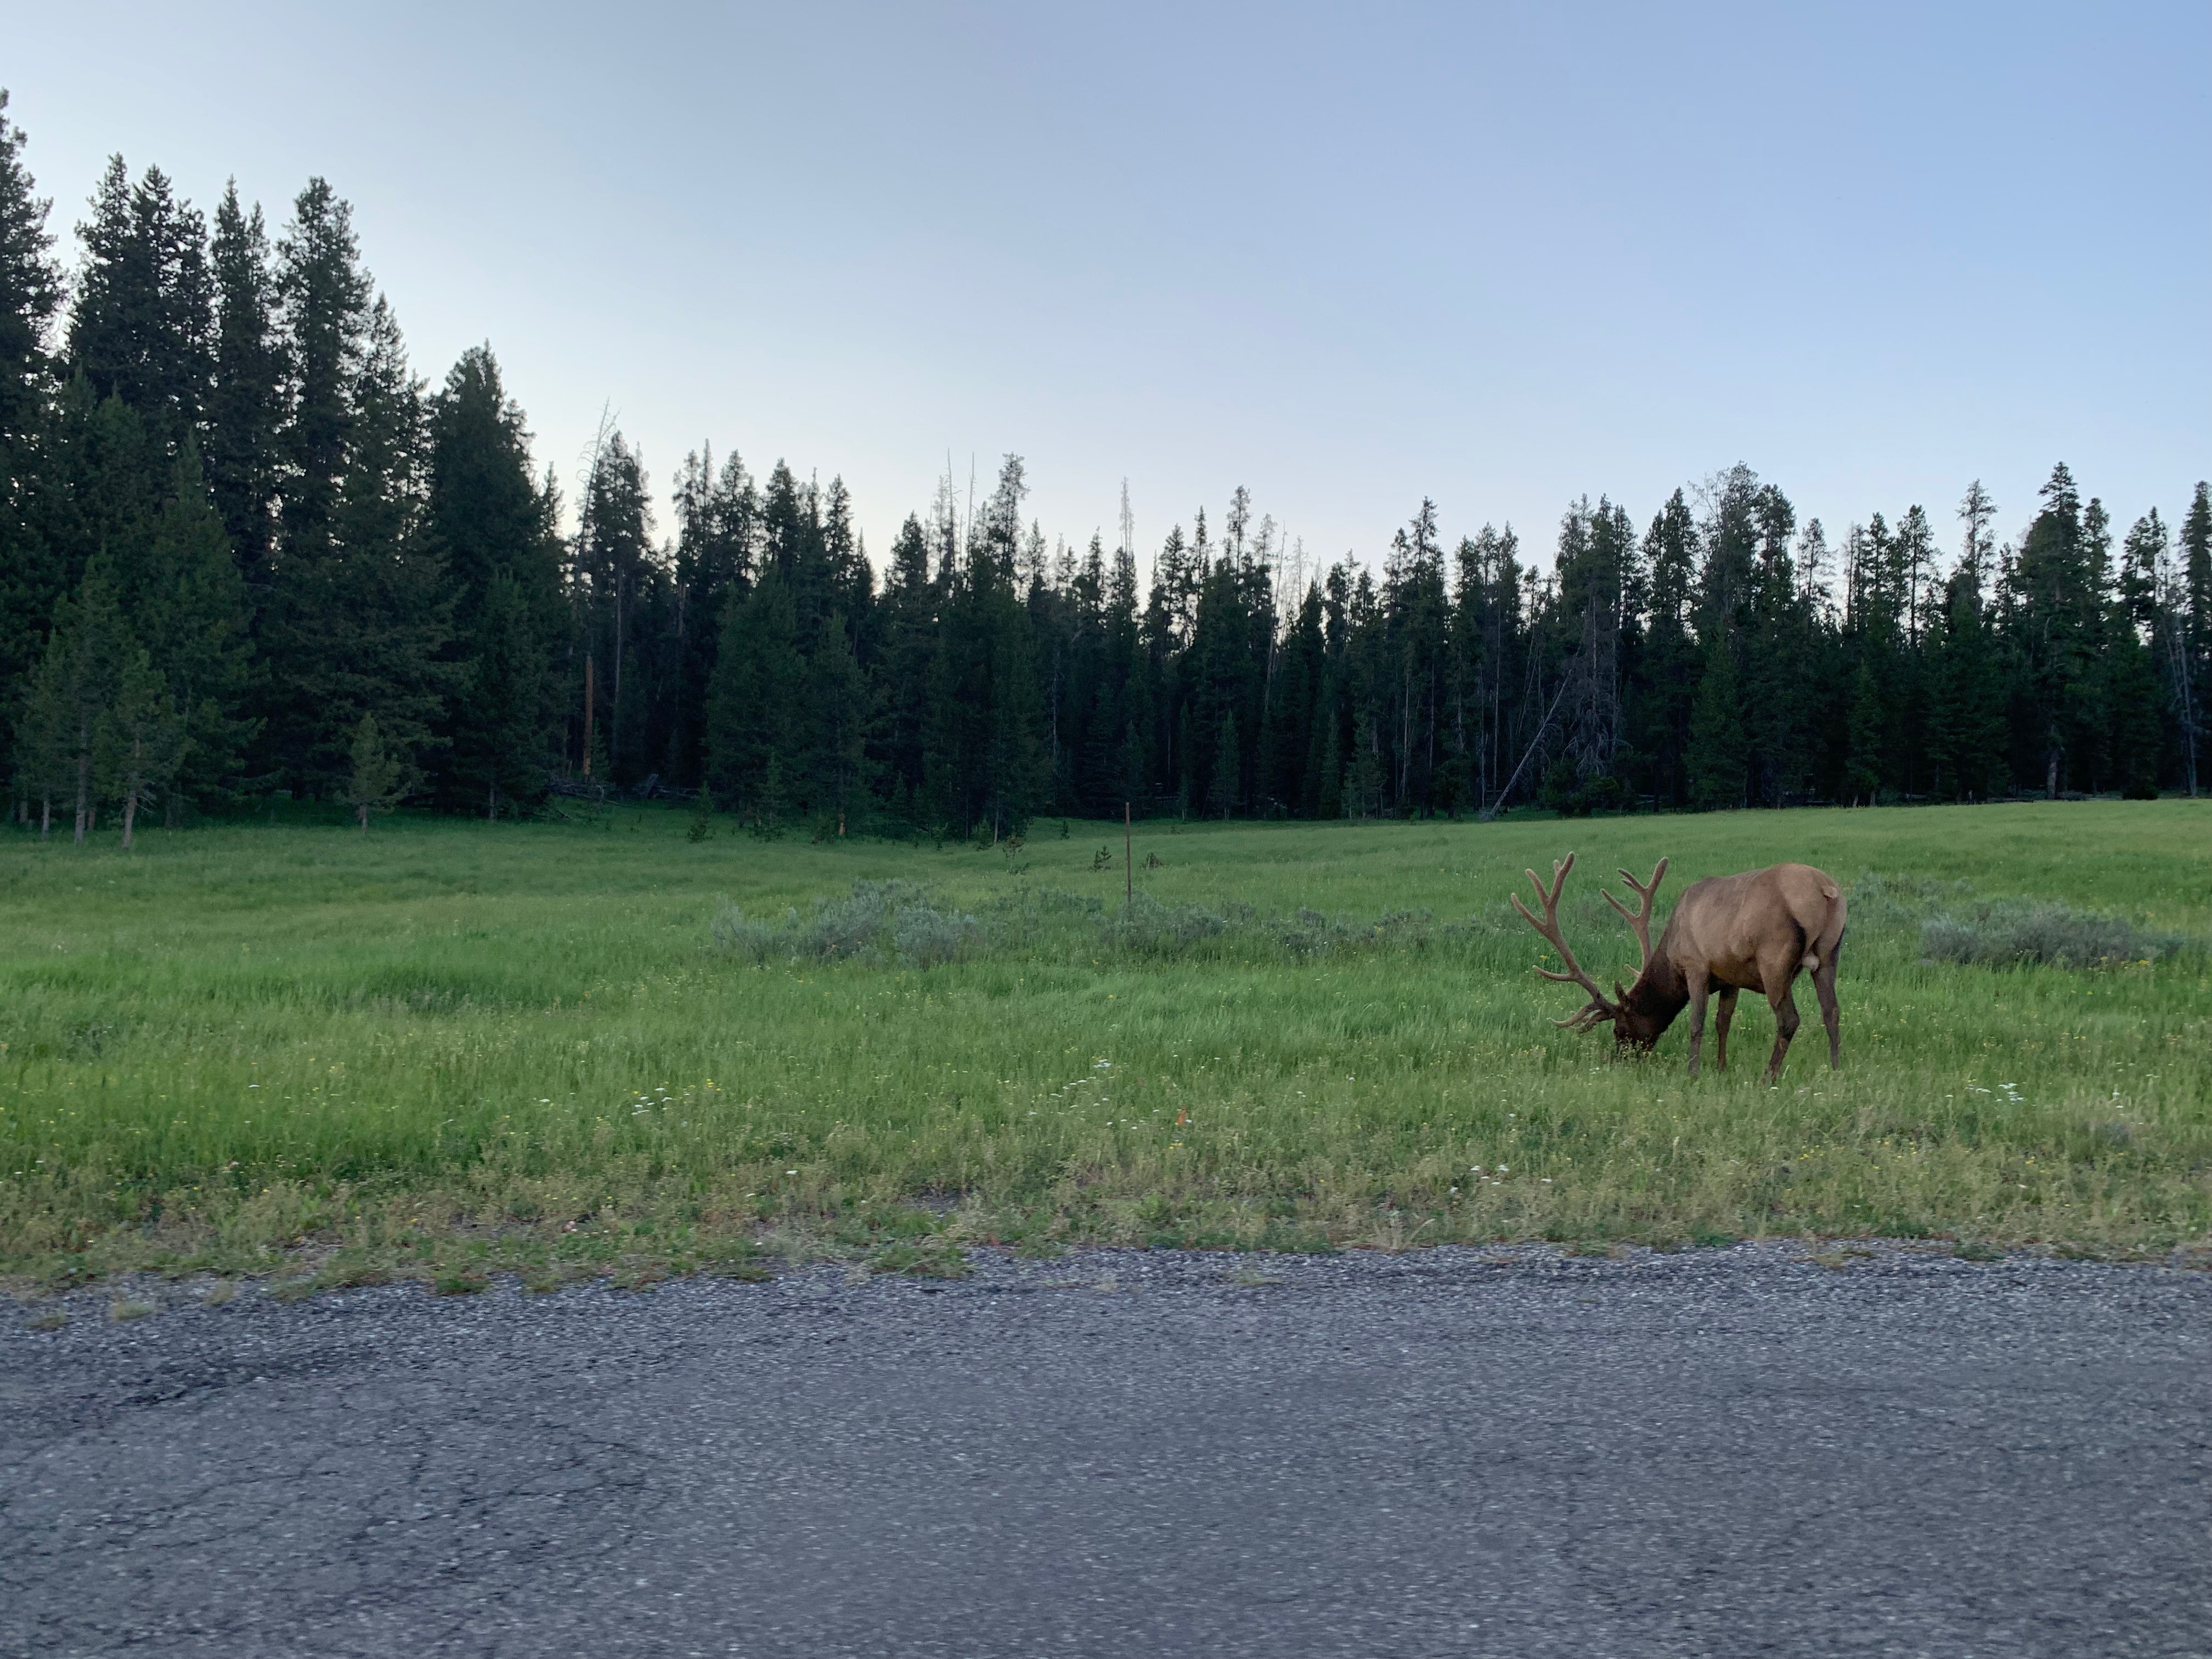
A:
(2020, 933)
(877, 919)
(886, 920)
(1957, 928)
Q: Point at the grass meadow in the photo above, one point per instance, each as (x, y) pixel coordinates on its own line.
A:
(446, 1049)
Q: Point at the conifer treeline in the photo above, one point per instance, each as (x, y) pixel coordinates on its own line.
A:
(244, 550)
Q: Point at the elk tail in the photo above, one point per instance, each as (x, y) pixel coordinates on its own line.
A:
(1811, 961)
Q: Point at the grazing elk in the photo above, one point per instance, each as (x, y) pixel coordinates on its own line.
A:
(1755, 931)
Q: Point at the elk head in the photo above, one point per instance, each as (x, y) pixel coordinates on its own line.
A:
(1636, 1023)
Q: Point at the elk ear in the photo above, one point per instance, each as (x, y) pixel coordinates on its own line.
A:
(1620, 996)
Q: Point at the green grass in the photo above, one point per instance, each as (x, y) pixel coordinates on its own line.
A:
(447, 1048)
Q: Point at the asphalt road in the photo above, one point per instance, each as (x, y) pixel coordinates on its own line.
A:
(1447, 1452)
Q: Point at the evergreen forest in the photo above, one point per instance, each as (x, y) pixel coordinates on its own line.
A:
(247, 553)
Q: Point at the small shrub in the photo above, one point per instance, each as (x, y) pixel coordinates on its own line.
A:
(924, 937)
(2017, 933)
(870, 920)
(1310, 933)
(850, 926)
(1881, 902)
(734, 935)
(1145, 926)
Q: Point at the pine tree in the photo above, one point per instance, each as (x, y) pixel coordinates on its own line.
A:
(1913, 554)
(1287, 740)
(486, 518)
(44, 729)
(142, 327)
(1327, 767)
(243, 450)
(359, 619)
(325, 298)
(836, 695)
(1862, 759)
(72, 694)
(1016, 779)
(90, 481)
(1228, 770)
(2136, 738)
(754, 704)
(379, 775)
(499, 750)
(140, 739)
(906, 645)
(850, 579)
(1661, 696)
(612, 579)
(717, 517)
(1718, 752)
(2057, 608)
(2191, 613)
(984, 752)
(30, 293)
(1965, 719)
(189, 605)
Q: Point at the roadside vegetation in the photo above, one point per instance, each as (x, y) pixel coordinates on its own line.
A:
(615, 1045)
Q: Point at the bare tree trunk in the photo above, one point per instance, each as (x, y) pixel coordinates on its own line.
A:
(130, 816)
(614, 735)
(83, 778)
(591, 667)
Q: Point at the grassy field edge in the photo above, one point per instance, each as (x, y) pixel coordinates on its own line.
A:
(445, 1051)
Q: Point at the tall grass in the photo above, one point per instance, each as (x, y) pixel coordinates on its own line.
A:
(455, 1043)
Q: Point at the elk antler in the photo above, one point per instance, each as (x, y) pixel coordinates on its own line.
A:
(1600, 1009)
(1641, 921)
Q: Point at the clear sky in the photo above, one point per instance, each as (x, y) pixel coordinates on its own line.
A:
(1347, 256)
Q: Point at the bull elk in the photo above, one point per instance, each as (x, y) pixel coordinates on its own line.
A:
(1755, 931)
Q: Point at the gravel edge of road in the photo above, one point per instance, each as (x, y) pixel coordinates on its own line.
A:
(121, 1311)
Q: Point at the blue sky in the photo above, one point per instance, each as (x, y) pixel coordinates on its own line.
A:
(1345, 256)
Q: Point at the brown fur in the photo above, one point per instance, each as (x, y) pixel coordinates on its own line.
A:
(1754, 932)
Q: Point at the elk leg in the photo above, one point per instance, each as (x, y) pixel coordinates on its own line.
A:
(1698, 982)
(1785, 1027)
(1721, 1015)
(1824, 987)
